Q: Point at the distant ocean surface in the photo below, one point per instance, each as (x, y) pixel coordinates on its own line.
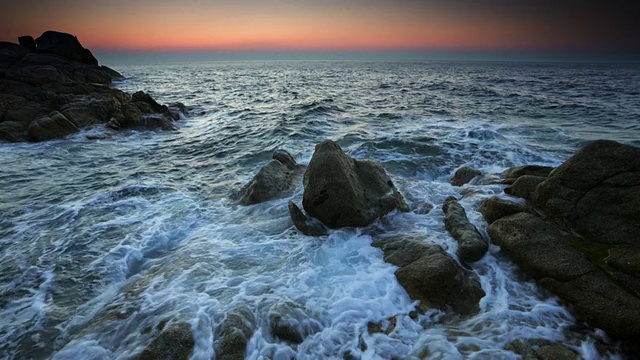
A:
(102, 240)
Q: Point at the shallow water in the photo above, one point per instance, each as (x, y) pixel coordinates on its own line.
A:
(102, 240)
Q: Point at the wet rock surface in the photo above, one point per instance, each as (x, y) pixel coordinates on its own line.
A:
(464, 175)
(430, 275)
(278, 178)
(234, 334)
(288, 322)
(471, 245)
(306, 226)
(52, 87)
(495, 208)
(524, 186)
(341, 191)
(174, 343)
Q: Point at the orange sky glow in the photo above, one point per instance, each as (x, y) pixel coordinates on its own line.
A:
(294, 25)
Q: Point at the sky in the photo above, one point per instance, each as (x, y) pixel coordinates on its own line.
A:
(582, 28)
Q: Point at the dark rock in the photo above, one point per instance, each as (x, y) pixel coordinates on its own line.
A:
(52, 126)
(66, 45)
(234, 334)
(290, 323)
(174, 343)
(512, 174)
(596, 191)
(430, 275)
(495, 208)
(382, 328)
(464, 175)
(274, 180)
(541, 250)
(12, 131)
(524, 186)
(11, 53)
(471, 245)
(626, 260)
(341, 191)
(305, 225)
(28, 42)
(540, 349)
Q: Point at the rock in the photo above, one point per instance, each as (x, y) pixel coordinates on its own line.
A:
(341, 191)
(471, 245)
(382, 328)
(290, 323)
(495, 208)
(430, 275)
(28, 42)
(626, 260)
(306, 226)
(12, 131)
(66, 45)
(52, 126)
(464, 175)
(524, 186)
(541, 250)
(540, 349)
(274, 180)
(11, 53)
(512, 174)
(234, 334)
(597, 192)
(174, 343)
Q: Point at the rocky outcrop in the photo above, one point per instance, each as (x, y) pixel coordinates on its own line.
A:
(57, 88)
(341, 191)
(234, 334)
(306, 226)
(471, 245)
(596, 191)
(524, 186)
(495, 208)
(464, 175)
(174, 343)
(278, 178)
(430, 275)
(553, 258)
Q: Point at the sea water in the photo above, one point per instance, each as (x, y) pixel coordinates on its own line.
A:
(101, 241)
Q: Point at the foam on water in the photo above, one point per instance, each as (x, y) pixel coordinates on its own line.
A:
(105, 241)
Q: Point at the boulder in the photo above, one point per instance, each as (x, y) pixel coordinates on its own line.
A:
(524, 186)
(66, 45)
(430, 275)
(597, 192)
(341, 191)
(11, 53)
(471, 245)
(234, 334)
(174, 343)
(512, 174)
(303, 224)
(495, 208)
(464, 175)
(290, 323)
(278, 178)
(550, 256)
(28, 42)
(12, 131)
(52, 126)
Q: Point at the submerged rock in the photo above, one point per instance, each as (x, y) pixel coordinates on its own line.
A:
(174, 343)
(550, 256)
(596, 191)
(290, 323)
(341, 191)
(430, 275)
(305, 225)
(471, 245)
(278, 178)
(234, 334)
(495, 208)
(464, 175)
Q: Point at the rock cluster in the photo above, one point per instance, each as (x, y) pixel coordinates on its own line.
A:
(52, 86)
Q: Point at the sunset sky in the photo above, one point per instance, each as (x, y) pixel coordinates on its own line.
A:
(347, 25)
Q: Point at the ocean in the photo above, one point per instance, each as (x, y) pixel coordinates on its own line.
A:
(103, 240)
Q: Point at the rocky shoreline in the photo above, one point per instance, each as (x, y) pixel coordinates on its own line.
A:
(52, 86)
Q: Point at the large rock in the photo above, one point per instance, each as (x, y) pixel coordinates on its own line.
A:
(551, 257)
(306, 226)
(278, 178)
(290, 323)
(430, 275)
(512, 174)
(464, 175)
(596, 191)
(234, 334)
(341, 191)
(524, 186)
(66, 45)
(174, 343)
(471, 245)
(495, 208)
(52, 126)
